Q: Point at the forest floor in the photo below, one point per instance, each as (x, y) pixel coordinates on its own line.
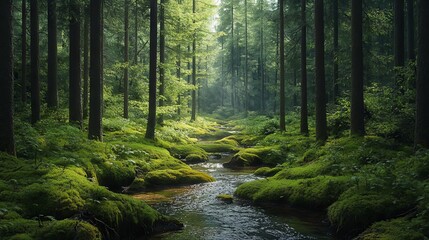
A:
(62, 185)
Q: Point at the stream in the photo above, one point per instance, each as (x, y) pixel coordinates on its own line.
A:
(206, 217)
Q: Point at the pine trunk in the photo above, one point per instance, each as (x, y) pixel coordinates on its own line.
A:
(35, 62)
(52, 99)
(75, 93)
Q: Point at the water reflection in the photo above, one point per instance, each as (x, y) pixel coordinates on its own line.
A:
(206, 217)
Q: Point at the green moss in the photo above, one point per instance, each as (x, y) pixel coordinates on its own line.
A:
(137, 185)
(225, 198)
(176, 177)
(196, 158)
(318, 192)
(115, 174)
(20, 227)
(21, 236)
(68, 230)
(229, 141)
(309, 170)
(396, 229)
(257, 156)
(267, 171)
(182, 151)
(217, 147)
(355, 211)
(50, 200)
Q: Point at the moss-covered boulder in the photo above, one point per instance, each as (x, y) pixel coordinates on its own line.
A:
(355, 211)
(257, 156)
(267, 171)
(226, 198)
(176, 177)
(318, 192)
(182, 151)
(397, 229)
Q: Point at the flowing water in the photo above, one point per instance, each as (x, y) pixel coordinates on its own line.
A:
(206, 217)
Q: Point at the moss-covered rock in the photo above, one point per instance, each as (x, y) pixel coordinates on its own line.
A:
(226, 198)
(310, 170)
(68, 230)
(397, 229)
(267, 171)
(176, 177)
(318, 192)
(355, 211)
(257, 156)
(196, 158)
(182, 151)
(217, 147)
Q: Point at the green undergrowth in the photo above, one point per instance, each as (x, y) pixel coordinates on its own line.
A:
(367, 183)
(63, 186)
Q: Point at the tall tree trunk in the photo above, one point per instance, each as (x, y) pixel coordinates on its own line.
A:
(85, 63)
(246, 62)
(136, 32)
(232, 58)
(126, 60)
(399, 33)
(421, 135)
(24, 51)
(261, 55)
(52, 99)
(335, 80)
(7, 141)
(357, 105)
(304, 107)
(411, 27)
(151, 119)
(35, 61)
(75, 98)
(161, 58)
(222, 75)
(194, 68)
(179, 66)
(282, 66)
(95, 130)
(321, 128)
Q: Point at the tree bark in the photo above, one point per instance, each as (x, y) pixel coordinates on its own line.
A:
(411, 27)
(35, 61)
(282, 66)
(399, 33)
(246, 62)
(321, 128)
(232, 58)
(7, 141)
(335, 80)
(52, 98)
(85, 63)
(126, 60)
(304, 107)
(161, 58)
(421, 135)
(357, 101)
(96, 84)
(75, 93)
(194, 69)
(24, 51)
(151, 121)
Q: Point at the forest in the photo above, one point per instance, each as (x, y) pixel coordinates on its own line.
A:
(214, 119)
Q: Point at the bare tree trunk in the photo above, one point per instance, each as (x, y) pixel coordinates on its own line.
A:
(151, 119)
(411, 27)
(95, 130)
(194, 69)
(24, 52)
(75, 93)
(85, 63)
(304, 107)
(52, 99)
(321, 128)
(7, 141)
(161, 58)
(126, 58)
(35, 62)
(357, 105)
(335, 80)
(282, 66)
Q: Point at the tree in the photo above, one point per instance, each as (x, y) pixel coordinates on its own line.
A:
(75, 92)
(52, 98)
(357, 104)
(151, 119)
(421, 135)
(162, 62)
(335, 79)
(85, 63)
(246, 62)
(282, 66)
(35, 61)
(194, 68)
(410, 22)
(399, 33)
(126, 60)
(304, 107)
(24, 51)
(7, 142)
(319, 37)
(96, 87)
